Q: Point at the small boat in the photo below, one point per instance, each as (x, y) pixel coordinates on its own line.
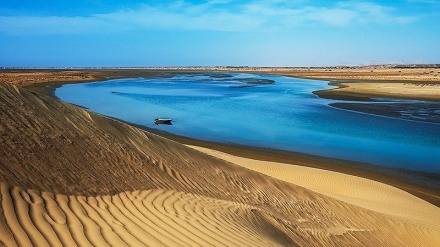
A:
(163, 121)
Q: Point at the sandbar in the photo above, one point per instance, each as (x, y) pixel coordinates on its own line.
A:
(73, 177)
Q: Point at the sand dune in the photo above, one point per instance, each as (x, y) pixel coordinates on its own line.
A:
(29, 77)
(358, 191)
(139, 218)
(74, 178)
(171, 218)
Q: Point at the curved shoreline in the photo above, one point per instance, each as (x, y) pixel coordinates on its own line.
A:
(414, 78)
(100, 181)
(354, 190)
(420, 184)
(363, 91)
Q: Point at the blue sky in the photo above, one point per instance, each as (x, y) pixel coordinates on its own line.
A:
(217, 32)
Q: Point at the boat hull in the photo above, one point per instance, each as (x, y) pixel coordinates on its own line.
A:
(162, 121)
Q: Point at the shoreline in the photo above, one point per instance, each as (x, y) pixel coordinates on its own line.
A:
(362, 90)
(352, 83)
(365, 193)
(421, 184)
(424, 185)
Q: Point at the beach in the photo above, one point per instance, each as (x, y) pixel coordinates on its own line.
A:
(73, 177)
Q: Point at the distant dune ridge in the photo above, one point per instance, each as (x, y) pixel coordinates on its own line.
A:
(74, 178)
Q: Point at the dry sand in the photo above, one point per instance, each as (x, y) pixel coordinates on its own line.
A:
(383, 81)
(140, 218)
(29, 77)
(409, 90)
(367, 73)
(358, 191)
(74, 178)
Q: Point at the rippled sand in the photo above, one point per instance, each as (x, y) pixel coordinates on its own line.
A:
(73, 178)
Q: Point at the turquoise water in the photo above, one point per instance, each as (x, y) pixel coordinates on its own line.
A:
(251, 110)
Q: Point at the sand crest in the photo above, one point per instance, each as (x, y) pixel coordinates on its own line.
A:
(74, 178)
(365, 193)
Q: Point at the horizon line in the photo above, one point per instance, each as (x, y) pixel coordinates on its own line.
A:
(395, 65)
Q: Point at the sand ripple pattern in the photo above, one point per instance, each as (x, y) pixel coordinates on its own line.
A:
(139, 218)
(105, 183)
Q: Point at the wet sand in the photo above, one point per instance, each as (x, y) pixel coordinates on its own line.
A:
(422, 184)
(70, 176)
(353, 83)
(364, 90)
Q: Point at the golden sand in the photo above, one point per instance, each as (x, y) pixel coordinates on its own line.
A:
(413, 90)
(384, 81)
(70, 177)
(365, 193)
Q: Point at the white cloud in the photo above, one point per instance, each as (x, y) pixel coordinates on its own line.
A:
(51, 24)
(332, 16)
(435, 2)
(211, 15)
(368, 12)
(198, 17)
(339, 14)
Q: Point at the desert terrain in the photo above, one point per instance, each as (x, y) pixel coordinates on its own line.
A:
(411, 82)
(70, 177)
(415, 82)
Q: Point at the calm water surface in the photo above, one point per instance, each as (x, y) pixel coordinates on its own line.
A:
(265, 111)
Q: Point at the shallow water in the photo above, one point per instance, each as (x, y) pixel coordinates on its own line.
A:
(265, 111)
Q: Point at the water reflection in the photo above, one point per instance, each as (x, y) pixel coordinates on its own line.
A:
(271, 111)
